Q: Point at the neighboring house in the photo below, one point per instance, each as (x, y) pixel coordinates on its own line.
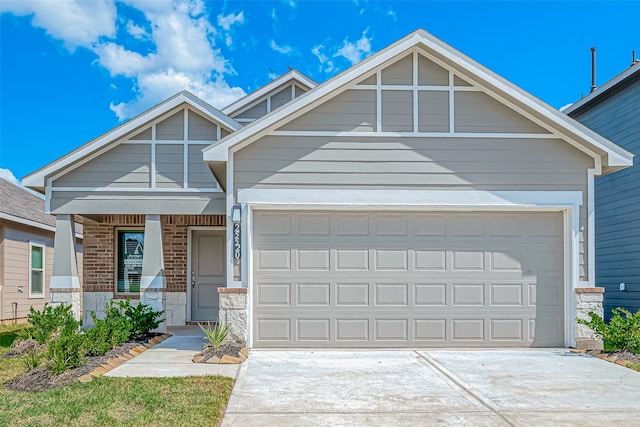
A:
(26, 252)
(417, 199)
(613, 111)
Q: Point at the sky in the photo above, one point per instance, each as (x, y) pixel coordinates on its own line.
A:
(71, 70)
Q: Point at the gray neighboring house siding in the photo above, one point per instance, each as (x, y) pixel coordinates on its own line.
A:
(614, 112)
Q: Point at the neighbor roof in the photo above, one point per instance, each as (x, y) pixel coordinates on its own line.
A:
(36, 180)
(620, 81)
(610, 155)
(19, 205)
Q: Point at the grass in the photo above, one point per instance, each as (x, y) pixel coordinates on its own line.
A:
(8, 333)
(194, 401)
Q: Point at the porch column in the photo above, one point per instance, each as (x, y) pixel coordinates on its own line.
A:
(64, 286)
(152, 283)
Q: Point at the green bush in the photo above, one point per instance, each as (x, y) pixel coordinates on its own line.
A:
(143, 319)
(49, 321)
(106, 334)
(215, 334)
(66, 351)
(621, 333)
(33, 358)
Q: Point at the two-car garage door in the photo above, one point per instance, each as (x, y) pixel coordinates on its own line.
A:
(393, 279)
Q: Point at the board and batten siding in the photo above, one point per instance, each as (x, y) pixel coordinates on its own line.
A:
(16, 270)
(487, 164)
(132, 175)
(269, 102)
(617, 200)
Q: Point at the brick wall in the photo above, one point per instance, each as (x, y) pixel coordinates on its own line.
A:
(99, 247)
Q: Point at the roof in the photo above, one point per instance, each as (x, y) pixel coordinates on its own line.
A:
(609, 154)
(22, 206)
(291, 76)
(618, 82)
(36, 180)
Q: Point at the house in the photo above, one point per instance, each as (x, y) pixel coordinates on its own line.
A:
(26, 252)
(415, 200)
(613, 111)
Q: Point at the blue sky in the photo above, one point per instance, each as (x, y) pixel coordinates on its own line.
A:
(71, 70)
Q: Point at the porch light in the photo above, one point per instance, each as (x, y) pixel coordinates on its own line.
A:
(236, 213)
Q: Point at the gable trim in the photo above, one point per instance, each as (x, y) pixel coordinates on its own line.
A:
(505, 92)
(36, 180)
(248, 100)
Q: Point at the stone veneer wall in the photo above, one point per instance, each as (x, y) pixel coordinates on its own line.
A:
(99, 261)
(233, 311)
(588, 300)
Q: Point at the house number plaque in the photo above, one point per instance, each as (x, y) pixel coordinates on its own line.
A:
(236, 241)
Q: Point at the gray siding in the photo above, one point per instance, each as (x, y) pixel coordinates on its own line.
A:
(617, 200)
(172, 127)
(478, 112)
(399, 73)
(201, 129)
(254, 112)
(419, 163)
(199, 174)
(169, 165)
(352, 110)
(281, 98)
(431, 74)
(126, 165)
(433, 112)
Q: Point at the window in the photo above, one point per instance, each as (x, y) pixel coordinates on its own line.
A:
(36, 268)
(129, 253)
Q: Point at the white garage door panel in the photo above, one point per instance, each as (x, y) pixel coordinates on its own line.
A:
(357, 279)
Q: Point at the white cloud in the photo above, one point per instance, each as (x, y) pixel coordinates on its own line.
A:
(272, 75)
(326, 64)
(185, 56)
(355, 52)
(284, 49)
(392, 13)
(9, 176)
(76, 22)
(136, 31)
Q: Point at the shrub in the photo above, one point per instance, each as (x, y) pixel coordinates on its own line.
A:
(106, 334)
(49, 321)
(215, 334)
(66, 351)
(143, 319)
(33, 358)
(622, 332)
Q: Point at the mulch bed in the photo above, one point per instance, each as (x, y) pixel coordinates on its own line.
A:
(228, 348)
(625, 355)
(41, 378)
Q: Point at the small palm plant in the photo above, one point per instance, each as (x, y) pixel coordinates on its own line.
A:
(216, 334)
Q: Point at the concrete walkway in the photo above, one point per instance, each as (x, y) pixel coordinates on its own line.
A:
(434, 388)
(172, 358)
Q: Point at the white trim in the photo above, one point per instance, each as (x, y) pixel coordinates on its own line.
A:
(591, 224)
(138, 190)
(168, 141)
(495, 86)
(421, 88)
(567, 202)
(152, 169)
(414, 72)
(269, 104)
(30, 269)
(185, 150)
(37, 178)
(58, 282)
(421, 198)
(245, 120)
(31, 223)
(452, 110)
(420, 134)
(291, 76)
(378, 102)
(229, 224)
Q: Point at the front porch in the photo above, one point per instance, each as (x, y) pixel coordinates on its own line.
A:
(177, 264)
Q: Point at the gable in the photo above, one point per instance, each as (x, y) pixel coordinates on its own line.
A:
(165, 153)
(413, 94)
(268, 102)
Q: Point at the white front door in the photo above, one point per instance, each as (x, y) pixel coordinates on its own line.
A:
(207, 273)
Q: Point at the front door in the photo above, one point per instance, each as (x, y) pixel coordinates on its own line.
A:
(207, 273)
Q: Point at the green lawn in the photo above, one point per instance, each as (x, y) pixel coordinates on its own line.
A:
(193, 401)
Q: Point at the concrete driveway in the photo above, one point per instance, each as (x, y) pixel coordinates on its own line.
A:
(397, 388)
